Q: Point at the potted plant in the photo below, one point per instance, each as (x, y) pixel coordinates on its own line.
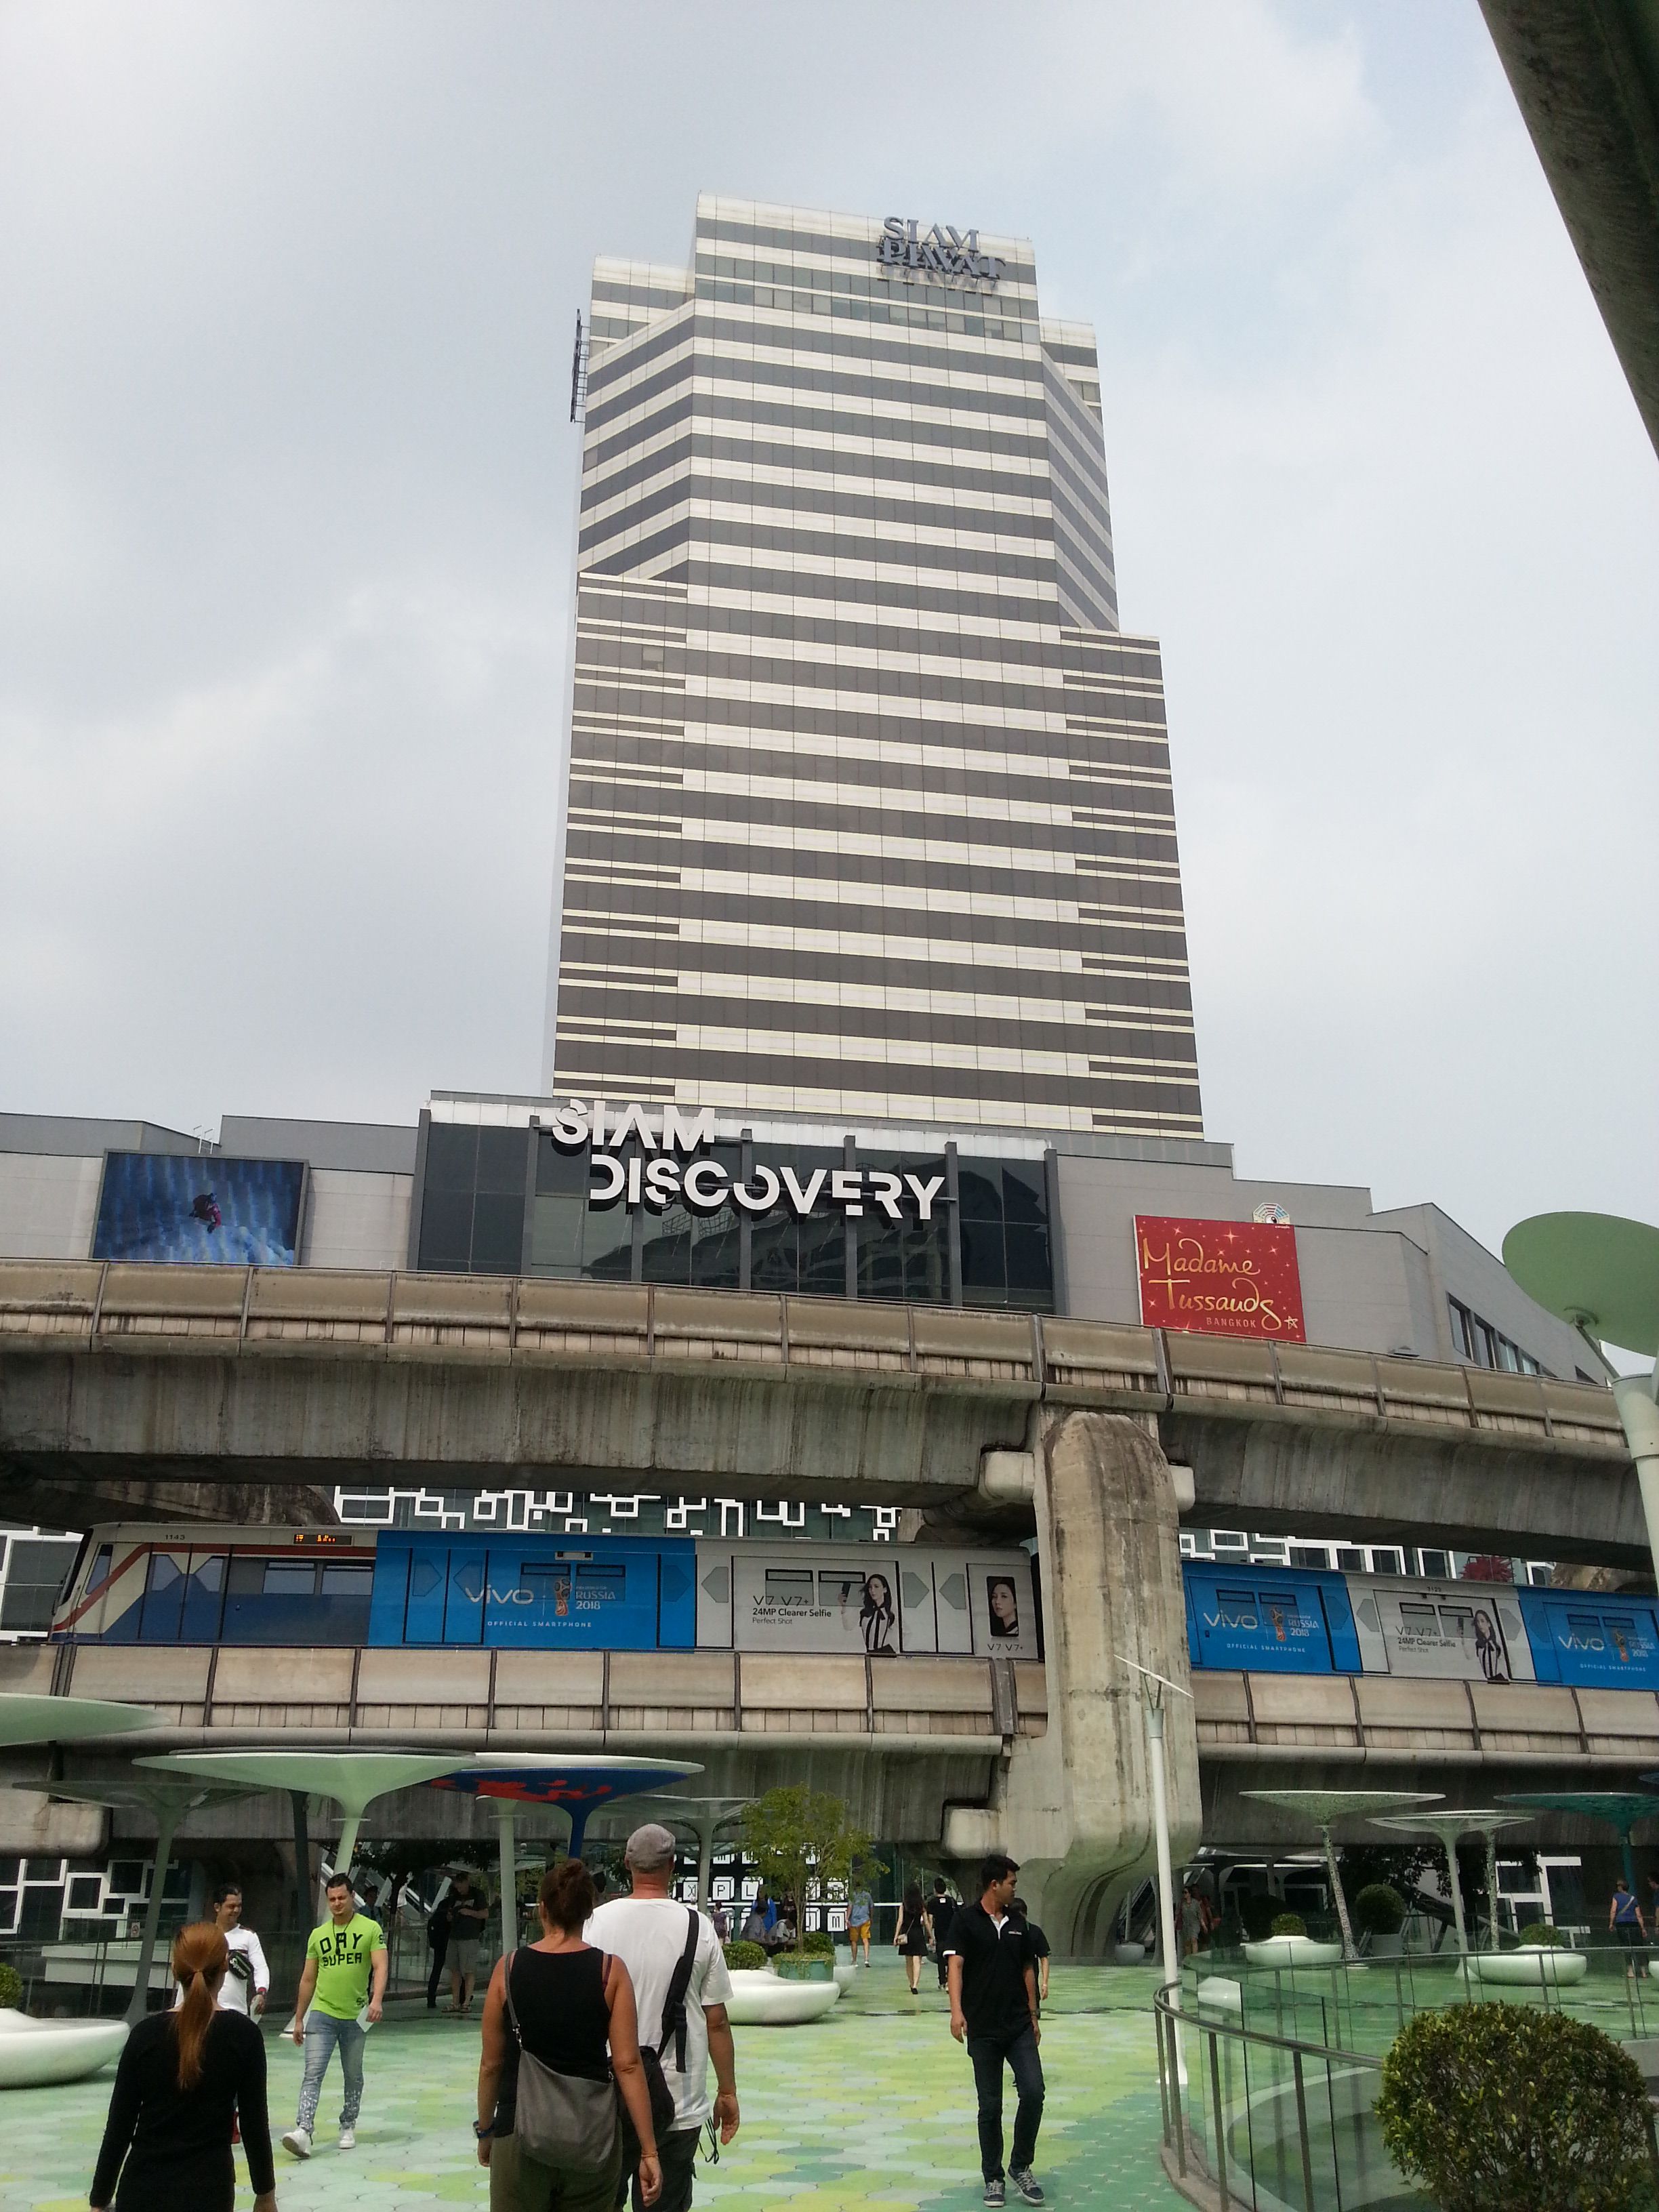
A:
(1539, 1955)
(1288, 1944)
(1379, 1911)
(1511, 2108)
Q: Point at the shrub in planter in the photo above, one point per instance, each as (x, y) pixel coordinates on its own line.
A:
(1379, 1909)
(740, 1956)
(818, 1943)
(11, 1988)
(1505, 2108)
(1542, 1935)
(1288, 1924)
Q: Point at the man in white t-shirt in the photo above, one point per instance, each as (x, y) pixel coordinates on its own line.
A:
(648, 1933)
(247, 1985)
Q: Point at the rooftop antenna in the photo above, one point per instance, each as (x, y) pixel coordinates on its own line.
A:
(579, 372)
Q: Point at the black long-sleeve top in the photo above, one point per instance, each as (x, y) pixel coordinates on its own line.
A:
(176, 2143)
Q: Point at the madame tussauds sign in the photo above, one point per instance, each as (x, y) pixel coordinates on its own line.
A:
(657, 1157)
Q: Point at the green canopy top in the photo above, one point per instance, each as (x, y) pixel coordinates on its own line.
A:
(30, 1718)
(1619, 1809)
(1595, 1270)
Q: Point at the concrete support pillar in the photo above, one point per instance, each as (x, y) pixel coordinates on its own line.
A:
(1075, 1806)
(166, 1822)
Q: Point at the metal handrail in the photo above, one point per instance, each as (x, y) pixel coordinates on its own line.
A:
(1257, 2035)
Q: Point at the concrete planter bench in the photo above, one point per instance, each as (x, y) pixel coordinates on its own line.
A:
(1292, 1951)
(761, 1998)
(1535, 1963)
(35, 2053)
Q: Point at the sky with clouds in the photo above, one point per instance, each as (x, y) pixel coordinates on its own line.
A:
(286, 499)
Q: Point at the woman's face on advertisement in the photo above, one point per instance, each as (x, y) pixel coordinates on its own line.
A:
(876, 1590)
(1003, 1603)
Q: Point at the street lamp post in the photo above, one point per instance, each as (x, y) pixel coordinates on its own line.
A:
(1153, 1688)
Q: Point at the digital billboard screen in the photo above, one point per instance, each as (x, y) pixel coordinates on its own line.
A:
(199, 1208)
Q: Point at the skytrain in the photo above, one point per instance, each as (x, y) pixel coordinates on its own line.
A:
(194, 1584)
(144, 1584)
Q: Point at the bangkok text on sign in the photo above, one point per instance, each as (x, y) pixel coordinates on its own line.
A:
(1219, 1278)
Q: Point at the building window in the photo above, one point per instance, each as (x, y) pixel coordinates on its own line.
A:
(1480, 1345)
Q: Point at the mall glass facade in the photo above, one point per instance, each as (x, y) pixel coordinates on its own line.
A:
(511, 1202)
(870, 812)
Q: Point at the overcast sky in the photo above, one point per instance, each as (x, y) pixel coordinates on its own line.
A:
(286, 483)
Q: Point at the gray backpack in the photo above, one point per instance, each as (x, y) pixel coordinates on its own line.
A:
(561, 2120)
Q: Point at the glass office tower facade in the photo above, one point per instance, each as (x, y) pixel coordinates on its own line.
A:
(870, 812)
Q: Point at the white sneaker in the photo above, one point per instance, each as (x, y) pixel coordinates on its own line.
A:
(298, 2140)
(348, 2139)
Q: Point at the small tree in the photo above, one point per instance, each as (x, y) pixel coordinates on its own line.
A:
(796, 1836)
(1500, 2108)
(11, 1988)
(1379, 1909)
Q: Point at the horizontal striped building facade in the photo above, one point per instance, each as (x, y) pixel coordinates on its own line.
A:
(870, 812)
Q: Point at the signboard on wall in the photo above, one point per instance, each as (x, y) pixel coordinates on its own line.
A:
(1219, 1278)
(199, 1207)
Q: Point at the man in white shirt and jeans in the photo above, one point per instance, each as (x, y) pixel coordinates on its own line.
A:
(247, 1985)
(648, 1932)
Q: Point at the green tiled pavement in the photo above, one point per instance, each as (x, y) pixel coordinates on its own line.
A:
(871, 2107)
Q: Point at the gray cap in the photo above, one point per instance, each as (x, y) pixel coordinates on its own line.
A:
(651, 1849)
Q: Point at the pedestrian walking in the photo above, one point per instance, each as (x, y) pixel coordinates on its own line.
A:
(940, 1907)
(1036, 1945)
(1626, 1921)
(993, 2010)
(1192, 1923)
(858, 1909)
(681, 1986)
(339, 2000)
(246, 1981)
(437, 1938)
(183, 2076)
(561, 2007)
(469, 1910)
(910, 1936)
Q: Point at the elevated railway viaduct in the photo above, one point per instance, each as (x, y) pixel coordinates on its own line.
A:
(136, 1392)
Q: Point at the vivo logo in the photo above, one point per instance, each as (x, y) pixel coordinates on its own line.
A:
(943, 253)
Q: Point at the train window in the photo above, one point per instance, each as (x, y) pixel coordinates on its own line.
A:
(347, 1581)
(100, 1565)
(1238, 1607)
(1622, 1635)
(1457, 1624)
(789, 1585)
(1350, 1559)
(842, 1586)
(1585, 1630)
(1420, 1618)
(1438, 1565)
(1280, 1615)
(289, 1578)
(1385, 1560)
(1310, 1555)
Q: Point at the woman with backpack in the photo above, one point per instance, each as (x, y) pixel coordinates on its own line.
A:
(548, 2127)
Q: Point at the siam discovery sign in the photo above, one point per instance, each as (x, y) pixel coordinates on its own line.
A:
(943, 253)
(1220, 1278)
(645, 1159)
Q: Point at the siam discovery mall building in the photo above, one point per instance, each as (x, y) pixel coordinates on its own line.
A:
(869, 999)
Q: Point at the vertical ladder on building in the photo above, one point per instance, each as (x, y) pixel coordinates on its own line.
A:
(579, 372)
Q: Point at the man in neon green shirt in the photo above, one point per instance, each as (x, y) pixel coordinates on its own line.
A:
(342, 1986)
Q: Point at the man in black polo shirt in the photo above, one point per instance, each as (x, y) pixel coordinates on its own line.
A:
(993, 2010)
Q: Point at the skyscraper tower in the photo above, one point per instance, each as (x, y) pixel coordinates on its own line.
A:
(869, 806)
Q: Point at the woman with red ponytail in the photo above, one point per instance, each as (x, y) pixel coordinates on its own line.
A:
(183, 2075)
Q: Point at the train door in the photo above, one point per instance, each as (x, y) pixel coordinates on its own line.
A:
(952, 1617)
(714, 1598)
(917, 1627)
(165, 1579)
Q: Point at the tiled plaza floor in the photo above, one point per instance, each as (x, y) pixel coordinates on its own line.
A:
(871, 2107)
